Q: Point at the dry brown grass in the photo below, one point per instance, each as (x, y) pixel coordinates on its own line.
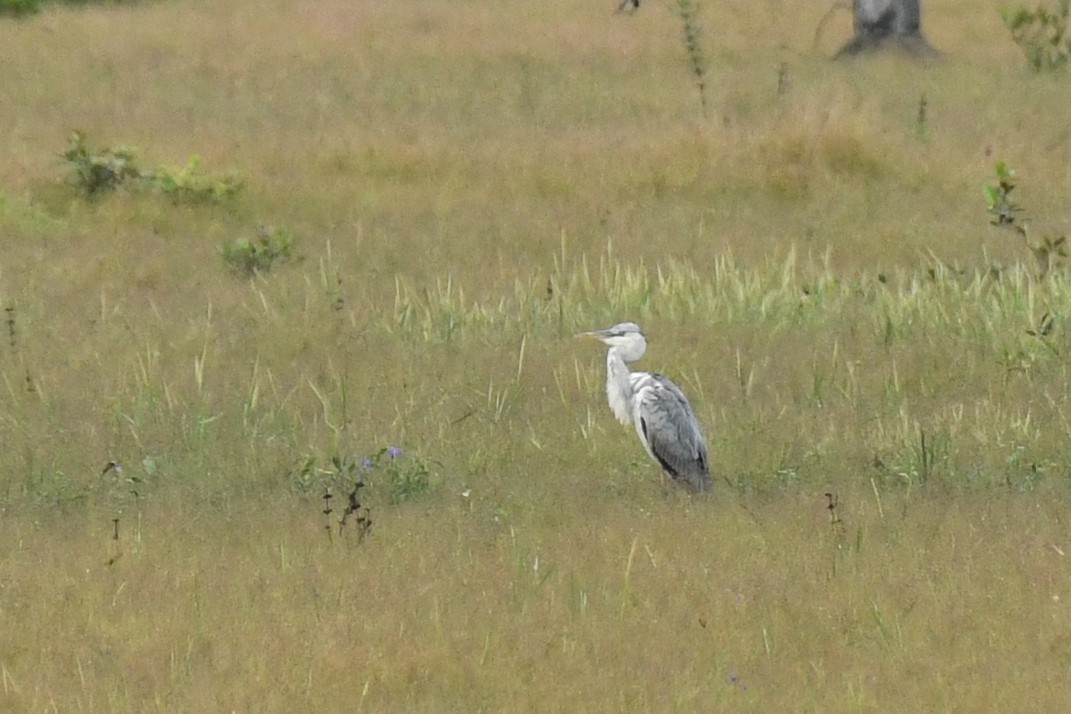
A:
(470, 184)
(930, 604)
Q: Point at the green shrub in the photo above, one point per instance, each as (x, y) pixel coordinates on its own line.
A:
(1002, 209)
(1050, 251)
(407, 478)
(189, 184)
(94, 172)
(248, 257)
(1042, 34)
(17, 8)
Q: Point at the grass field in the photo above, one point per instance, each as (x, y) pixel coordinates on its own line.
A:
(880, 373)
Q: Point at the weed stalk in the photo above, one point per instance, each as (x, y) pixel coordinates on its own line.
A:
(688, 11)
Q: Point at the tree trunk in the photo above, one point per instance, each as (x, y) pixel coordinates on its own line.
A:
(882, 23)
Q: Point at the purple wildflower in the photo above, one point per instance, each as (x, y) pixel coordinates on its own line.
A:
(394, 451)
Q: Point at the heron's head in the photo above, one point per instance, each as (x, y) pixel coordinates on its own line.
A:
(627, 337)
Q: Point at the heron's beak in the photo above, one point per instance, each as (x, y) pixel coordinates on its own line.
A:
(597, 334)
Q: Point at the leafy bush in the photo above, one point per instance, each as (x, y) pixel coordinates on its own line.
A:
(94, 172)
(1002, 209)
(17, 8)
(407, 478)
(248, 257)
(190, 185)
(1042, 34)
(1050, 250)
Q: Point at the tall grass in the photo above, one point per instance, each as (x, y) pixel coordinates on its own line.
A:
(824, 286)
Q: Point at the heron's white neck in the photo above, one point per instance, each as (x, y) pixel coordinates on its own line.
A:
(618, 386)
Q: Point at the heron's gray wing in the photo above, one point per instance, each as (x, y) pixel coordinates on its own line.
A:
(672, 432)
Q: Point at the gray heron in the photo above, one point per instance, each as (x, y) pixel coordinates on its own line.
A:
(663, 418)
